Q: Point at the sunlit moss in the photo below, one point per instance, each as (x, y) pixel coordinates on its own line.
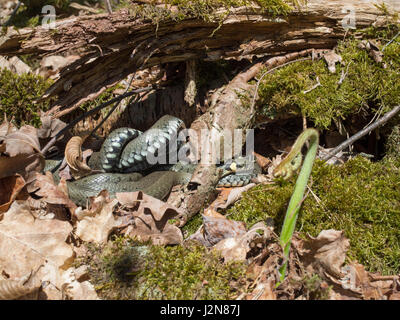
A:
(366, 87)
(362, 198)
(127, 270)
(19, 97)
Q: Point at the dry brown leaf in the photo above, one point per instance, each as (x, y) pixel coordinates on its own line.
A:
(74, 289)
(51, 193)
(20, 152)
(237, 248)
(18, 289)
(50, 127)
(150, 219)
(74, 158)
(234, 195)
(6, 128)
(331, 58)
(262, 161)
(97, 223)
(23, 141)
(10, 187)
(326, 251)
(215, 229)
(27, 243)
(25, 165)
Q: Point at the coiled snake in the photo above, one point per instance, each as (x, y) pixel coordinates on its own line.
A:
(126, 151)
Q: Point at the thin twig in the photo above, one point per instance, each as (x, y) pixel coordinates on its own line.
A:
(90, 112)
(362, 133)
(384, 47)
(114, 107)
(344, 74)
(313, 87)
(108, 6)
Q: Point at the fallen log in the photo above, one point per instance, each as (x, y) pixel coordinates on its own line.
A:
(112, 46)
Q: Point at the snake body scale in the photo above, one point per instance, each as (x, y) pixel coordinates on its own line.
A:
(123, 155)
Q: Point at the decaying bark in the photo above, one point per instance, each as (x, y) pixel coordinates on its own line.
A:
(112, 46)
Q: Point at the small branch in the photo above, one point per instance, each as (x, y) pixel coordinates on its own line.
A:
(394, 38)
(190, 83)
(108, 6)
(344, 74)
(313, 87)
(362, 133)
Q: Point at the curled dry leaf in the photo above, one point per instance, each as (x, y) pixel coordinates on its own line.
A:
(150, 218)
(74, 158)
(262, 161)
(234, 195)
(10, 187)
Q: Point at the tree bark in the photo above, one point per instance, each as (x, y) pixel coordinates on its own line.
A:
(112, 46)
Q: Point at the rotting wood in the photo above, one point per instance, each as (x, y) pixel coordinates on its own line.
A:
(128, 44)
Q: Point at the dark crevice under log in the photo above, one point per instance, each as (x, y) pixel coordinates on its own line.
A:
(114, 46)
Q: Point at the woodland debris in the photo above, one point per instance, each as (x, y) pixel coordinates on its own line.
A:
(148, 219)
(245, 33)
(10, 187)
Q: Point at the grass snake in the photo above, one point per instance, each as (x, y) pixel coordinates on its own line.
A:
(125, 153)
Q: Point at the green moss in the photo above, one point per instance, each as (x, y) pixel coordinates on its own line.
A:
(202, 9)
(393, 146)
(367, 87)
(19, 97)
(360, 197)
(127, 270)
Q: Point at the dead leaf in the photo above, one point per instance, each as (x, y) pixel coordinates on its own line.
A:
(28, 244)
(331, 58)
(10, 187)
(97, 223)
(74, 158)
(150, 218)
(326, 251)
(215, 229)
(23, 141)
(50, 126)
(51, 193)
(234, 195)
(74, 289)
(262, 161)
(237, 248)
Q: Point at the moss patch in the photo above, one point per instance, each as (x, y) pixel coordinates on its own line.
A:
(203, 9)
(19, 95)
(360, 197)
(366, 88)
(127, 270)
